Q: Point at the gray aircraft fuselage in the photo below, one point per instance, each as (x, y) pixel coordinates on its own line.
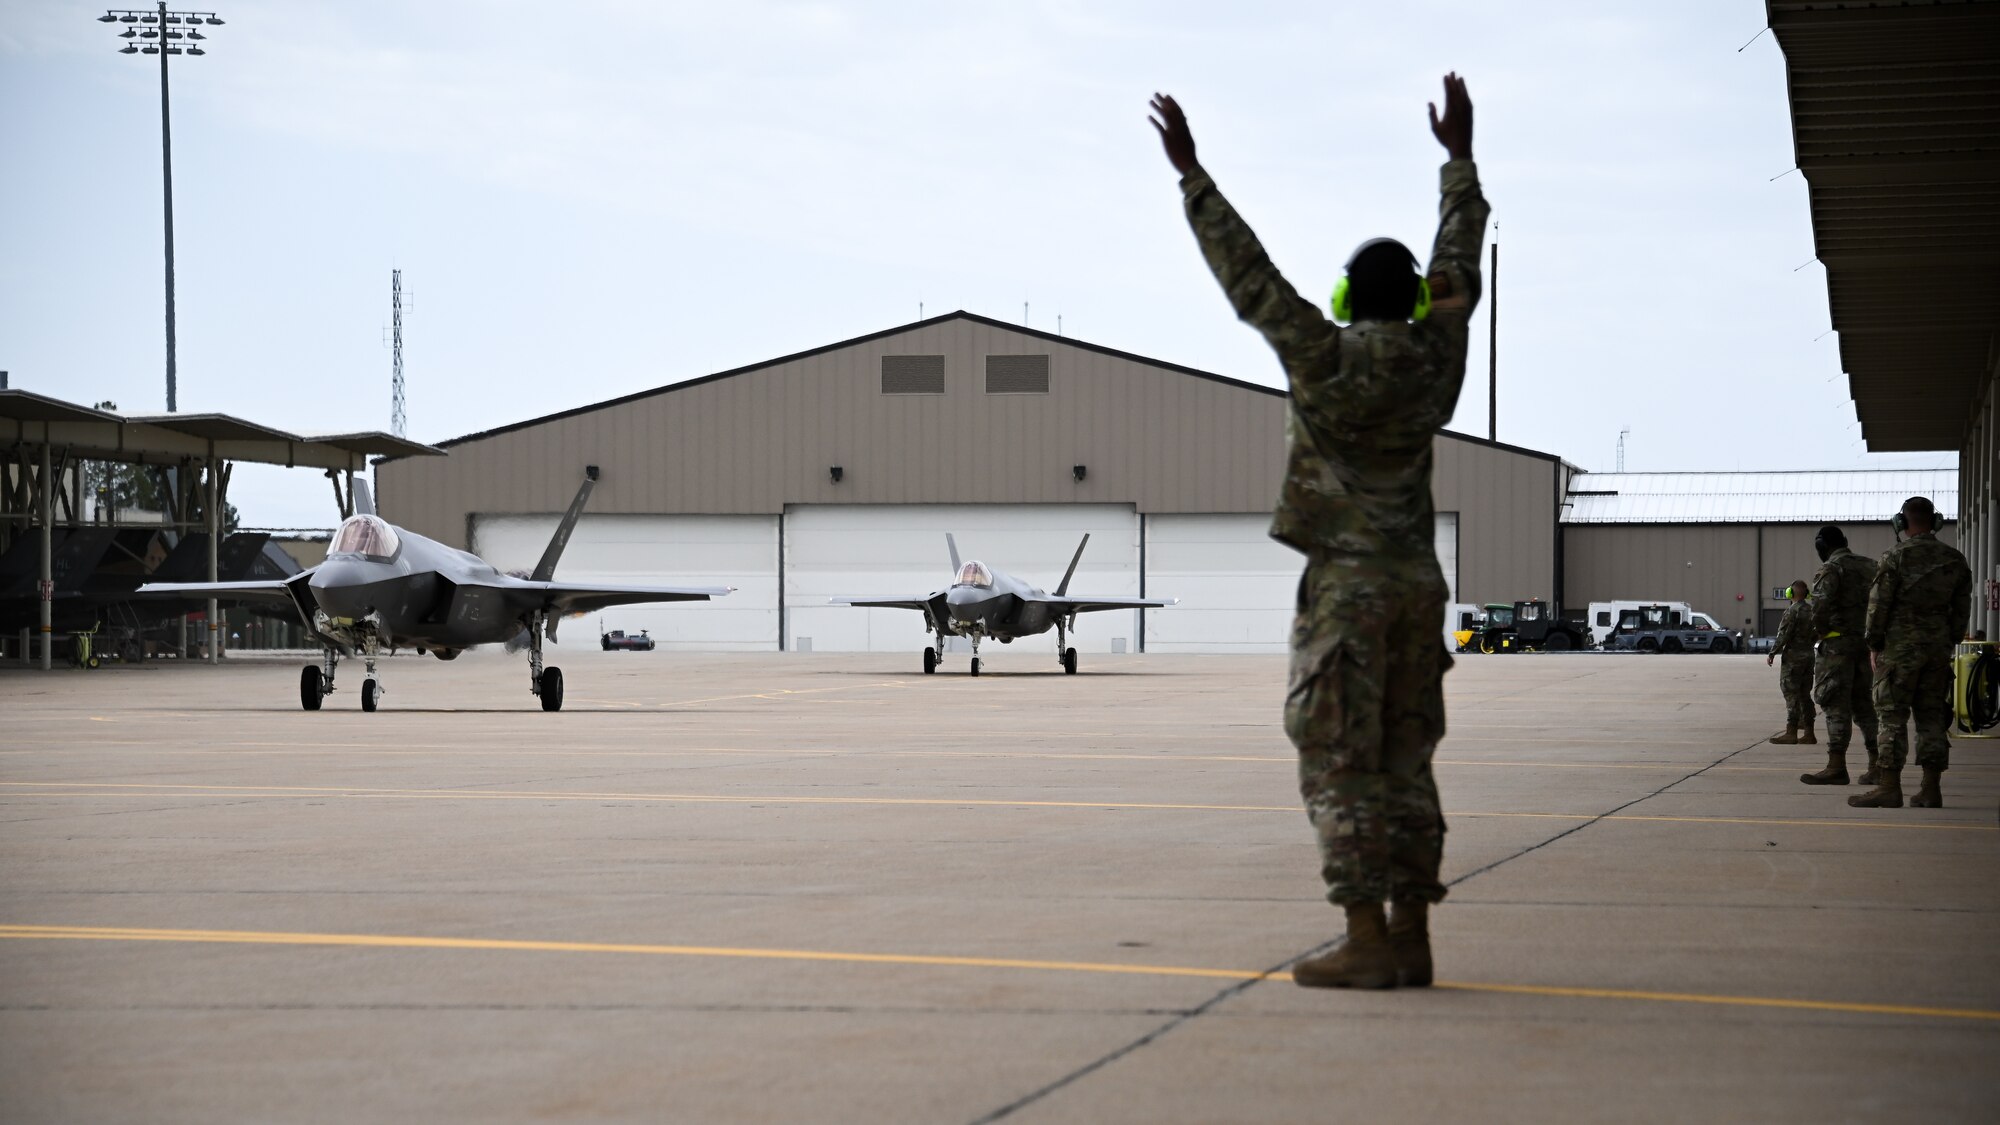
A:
(983, 602)
(384, 587)
(422, 595)
(1003, 607)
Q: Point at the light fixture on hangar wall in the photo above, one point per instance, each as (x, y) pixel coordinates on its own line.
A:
(166, 34)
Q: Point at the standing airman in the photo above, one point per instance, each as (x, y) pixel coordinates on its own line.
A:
(1795, 678)
(1840, 673)
(1917, 610)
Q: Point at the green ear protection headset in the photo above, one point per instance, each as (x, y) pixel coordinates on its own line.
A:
(1343, 304)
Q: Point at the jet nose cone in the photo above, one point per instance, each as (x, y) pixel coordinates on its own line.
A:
(337, 587)
(967, 604)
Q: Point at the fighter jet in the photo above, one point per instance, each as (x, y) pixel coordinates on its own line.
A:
(384, 587)
(984, 602)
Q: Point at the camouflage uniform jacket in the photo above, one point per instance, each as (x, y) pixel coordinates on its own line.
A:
(1795, 632)
(1840, 595)
(1366, 400)
(1921, 598)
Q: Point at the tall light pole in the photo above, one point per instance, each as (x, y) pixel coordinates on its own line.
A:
(164, 33)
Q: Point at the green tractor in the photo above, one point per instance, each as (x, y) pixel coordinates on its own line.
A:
(1533, 626)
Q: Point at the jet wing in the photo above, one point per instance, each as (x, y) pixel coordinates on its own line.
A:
(1087, 603)
(936, 613)
(921, 605)
(570, 597)
(267, 590)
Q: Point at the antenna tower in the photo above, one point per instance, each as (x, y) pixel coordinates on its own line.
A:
(397, 423)
(1621, 447)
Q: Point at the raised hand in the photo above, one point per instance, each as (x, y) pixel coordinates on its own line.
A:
(1454, 129)
(1175, 136)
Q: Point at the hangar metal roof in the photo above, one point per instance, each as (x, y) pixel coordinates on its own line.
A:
(1896, 127)
(1835, 496)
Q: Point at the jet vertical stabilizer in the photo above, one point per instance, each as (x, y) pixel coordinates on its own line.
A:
(1071, 572)
(546, 569)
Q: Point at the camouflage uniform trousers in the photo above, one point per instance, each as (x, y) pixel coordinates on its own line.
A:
(1366, 710)
(1915, 680)
(1841, 680)
(1795, 679)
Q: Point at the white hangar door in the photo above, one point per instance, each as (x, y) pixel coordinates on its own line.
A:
(1237, 586)
(898, 550)
(740, 551)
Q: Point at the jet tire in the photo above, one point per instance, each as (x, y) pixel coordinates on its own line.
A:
(312, 687)
(1069, 662)
(552, 689)
(975, 666)
(370, 695)
(930, 661)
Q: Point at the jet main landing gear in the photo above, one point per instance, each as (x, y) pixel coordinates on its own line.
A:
(1065, 655)
(316, 681)
(930, 661)
(544, 682)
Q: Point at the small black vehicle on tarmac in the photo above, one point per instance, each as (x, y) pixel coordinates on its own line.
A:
(631, 642)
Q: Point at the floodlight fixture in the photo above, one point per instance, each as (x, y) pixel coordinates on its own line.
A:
(160, 33)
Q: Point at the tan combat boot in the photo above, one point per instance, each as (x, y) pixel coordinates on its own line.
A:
(1410, 939)
(1806, 737)
(1871, 776)
(1364, 960)
(1790, 736)
(1835, 772)
(1887, 794)
(1928, 796)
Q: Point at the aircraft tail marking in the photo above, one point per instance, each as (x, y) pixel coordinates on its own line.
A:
(546, 569)
(952, 545)
(1071, 572)
(362, 499)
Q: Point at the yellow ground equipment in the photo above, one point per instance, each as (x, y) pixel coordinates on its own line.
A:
(1975, 689)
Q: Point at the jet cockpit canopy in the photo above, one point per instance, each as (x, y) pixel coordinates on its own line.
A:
(974, 573)
(370, 536)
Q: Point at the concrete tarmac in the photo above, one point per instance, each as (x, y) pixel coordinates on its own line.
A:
(828, 888)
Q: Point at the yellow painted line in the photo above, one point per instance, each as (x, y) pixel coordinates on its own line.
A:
(22, 932)
(85, 789)
(294, 791)
(1733, 1001)
(106, 933)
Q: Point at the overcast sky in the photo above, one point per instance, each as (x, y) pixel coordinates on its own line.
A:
(593, 198)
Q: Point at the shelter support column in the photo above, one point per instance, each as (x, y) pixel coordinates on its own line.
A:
(45, 512)
(214, 510)
(1983, 502)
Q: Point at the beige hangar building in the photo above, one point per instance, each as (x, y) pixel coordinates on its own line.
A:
(838, 471)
